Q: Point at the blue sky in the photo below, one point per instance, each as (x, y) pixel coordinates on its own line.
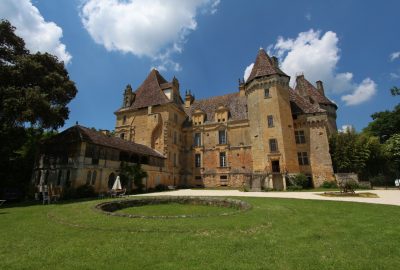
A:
(353, 46)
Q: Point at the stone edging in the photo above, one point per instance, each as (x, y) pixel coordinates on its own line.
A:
(110, 207)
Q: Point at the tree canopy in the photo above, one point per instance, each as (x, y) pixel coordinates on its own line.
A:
(35, 90)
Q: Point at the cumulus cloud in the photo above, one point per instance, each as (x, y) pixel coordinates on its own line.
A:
(394, 56)
(362, 93)
(39, 35)
(317, 56)
(150, 28)
(247, 71)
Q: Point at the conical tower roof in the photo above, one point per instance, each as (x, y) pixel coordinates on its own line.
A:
(264, 66)
(150, 92)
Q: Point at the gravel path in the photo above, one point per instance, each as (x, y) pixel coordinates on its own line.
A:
(391, 197)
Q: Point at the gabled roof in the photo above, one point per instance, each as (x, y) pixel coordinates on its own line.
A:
(233, 102)
(301, 105)
(84, 134)
(305, 88)
(264, 66)
(150, 92)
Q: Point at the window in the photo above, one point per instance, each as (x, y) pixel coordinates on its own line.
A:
(303, 158)
(88, 177)
(197, 177)
(94, 176)
(175, 160)
(59, 177)
(122, 135)
(270, 121)
(197, 139)
(222, 137)
(266, 93)
(197, 160)
(273, 145)
(175, 137)
(175, 118)
(299, 135)
(222, 159)
(124, 120)
(223, 180)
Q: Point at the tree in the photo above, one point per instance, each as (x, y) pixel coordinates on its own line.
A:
(35, 90)
(133, 172)
(384, 124)
(392, 148)
(395, 91)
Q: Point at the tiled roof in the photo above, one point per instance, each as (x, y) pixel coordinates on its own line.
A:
(264, 66)
(150, 92)
(304, 87)
(80, 133)
(301, 105)
(233, 102)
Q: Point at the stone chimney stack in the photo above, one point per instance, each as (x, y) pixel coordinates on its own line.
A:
(300, 85)
(320, 87)
(189, 98)
(242, 92)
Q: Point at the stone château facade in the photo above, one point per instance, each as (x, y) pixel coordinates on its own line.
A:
(260, 135)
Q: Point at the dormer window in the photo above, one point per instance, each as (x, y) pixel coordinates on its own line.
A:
(168, 93)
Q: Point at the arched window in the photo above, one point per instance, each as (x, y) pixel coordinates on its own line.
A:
(111, 179)
(94, 175)
(88, 177)
(46, 177)
(59, 177)
(67, 179)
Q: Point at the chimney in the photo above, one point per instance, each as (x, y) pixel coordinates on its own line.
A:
(189, 98)
(320, 87)
(300, 85)
(242, 92)
(275, 61)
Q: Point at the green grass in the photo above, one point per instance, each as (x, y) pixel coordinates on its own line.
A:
(274, 234)
(176, 209)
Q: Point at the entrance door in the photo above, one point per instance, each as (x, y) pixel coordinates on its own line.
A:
(275, 166)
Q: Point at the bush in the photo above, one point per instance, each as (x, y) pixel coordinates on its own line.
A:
(378, 180)
(294, 188)
(348, 185)
(329, 184)
(301, 180)
(84, 191)
(161, 187)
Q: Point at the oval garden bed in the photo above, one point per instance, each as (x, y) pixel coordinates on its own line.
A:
(173, 207)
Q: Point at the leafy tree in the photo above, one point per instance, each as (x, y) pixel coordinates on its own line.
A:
(35, 90)
(384, 124)
(395, 91)
(133, 172)
(392, 148)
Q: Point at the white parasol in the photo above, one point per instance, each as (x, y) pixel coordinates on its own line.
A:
(117, 184)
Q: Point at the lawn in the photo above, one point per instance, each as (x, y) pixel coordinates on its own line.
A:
(274, 234)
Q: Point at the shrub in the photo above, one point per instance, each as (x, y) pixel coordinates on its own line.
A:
(161, 187)
(329, 184)
(294, 188)
(348, 185)
(85, 191)
(301, 180)
(378, 180)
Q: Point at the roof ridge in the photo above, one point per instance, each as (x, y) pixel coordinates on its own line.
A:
(264, 66)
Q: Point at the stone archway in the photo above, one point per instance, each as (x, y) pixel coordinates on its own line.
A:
(111, 180)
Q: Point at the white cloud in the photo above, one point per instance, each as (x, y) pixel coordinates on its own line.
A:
(247, 71)
(394, 76)
(38, 34)
(362, 93)
(346, 129)
(152, 28)
(394, 56)
(317, 56)
(308, 16)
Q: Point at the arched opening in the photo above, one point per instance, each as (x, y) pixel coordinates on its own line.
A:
(111, 179)
(59, 177)
(88, 177)
(94, 175)
(67, 179)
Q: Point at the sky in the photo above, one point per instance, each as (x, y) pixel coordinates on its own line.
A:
(352, 46)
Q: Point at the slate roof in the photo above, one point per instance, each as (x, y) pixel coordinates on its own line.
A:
(304, 87)
(81, 133)
(264, 66)
(236, 105)
(301, 105)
